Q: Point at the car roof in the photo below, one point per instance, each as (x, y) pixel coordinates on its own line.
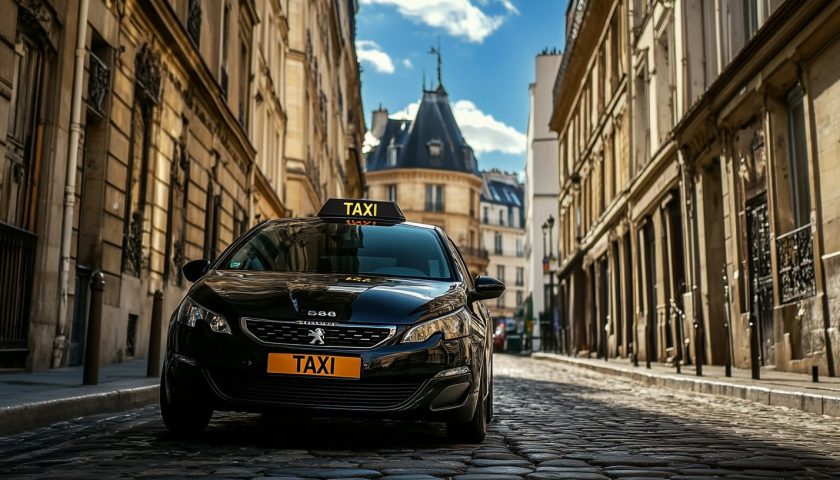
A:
(323, 220)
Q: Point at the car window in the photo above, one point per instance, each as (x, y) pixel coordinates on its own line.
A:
(332, 247)
(459, 262)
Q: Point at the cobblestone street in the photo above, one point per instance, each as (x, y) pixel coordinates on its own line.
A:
(551, 422)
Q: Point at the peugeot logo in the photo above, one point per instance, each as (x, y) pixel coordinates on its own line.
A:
(317, 336)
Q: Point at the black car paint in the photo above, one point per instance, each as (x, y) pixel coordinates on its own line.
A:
(354, 299)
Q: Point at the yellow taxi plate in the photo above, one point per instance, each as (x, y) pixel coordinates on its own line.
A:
(314, 365)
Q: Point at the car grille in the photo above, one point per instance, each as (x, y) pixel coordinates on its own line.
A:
(312, 392)
(278, 332)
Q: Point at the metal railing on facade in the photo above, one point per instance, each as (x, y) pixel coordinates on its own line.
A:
(795, 254)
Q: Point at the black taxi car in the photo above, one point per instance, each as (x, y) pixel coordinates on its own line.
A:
(355, 312)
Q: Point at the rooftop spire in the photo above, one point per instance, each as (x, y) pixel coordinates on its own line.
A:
(436, 51)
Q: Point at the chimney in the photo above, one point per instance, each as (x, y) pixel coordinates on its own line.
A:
(380, 119)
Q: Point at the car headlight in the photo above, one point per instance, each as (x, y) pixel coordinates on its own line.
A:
(190, 313)
(453, 325)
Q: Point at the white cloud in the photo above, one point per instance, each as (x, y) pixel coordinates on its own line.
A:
(483, 132)
(369, 143)
(370, 52)
(407, 63)
(486, 134)
(459, 18)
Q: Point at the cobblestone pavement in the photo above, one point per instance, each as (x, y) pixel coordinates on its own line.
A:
(553, 422)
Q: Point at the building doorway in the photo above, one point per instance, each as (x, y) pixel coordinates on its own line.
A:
(649, 245)
(761, 276)
(19, 179)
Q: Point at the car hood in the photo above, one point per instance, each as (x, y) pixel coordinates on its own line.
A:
(309, 296)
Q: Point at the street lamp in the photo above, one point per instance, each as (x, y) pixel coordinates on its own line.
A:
(550, 227)
(545, 269)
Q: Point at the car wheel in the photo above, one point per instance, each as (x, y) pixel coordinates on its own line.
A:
(182, 419)
(474, 430)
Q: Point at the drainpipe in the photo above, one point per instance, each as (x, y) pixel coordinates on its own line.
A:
(60, 343)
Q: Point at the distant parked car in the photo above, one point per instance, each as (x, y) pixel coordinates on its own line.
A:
(499, 336)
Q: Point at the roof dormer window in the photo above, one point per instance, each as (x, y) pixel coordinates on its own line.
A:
(393, 152)
(435, 148)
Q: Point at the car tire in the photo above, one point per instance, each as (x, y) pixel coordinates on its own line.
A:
(474, 430)
(182, 419)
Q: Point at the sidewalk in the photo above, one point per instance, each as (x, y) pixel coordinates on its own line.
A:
(784, 389)
(31, 400)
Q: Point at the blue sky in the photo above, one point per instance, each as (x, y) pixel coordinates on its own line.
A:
(488, 62)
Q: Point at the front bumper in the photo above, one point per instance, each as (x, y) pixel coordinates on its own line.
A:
(432, 380)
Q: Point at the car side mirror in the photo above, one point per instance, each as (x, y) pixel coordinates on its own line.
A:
(195, 269)
(487, 288)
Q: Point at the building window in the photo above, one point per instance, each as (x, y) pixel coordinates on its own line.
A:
(518, 297)
(146, 91)
(497, 244)
(392, 193)
(194, 22)
(501, 217)
(500, 273)
(486, 215)
(434, 198)
(244, 80)
(393, 152)
(510, 217)
(520, 248)
(751, 17)
(800, 194)
(520, 276)
(225, 54)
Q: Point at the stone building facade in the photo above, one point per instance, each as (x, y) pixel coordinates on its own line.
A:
(591, 118)
(711, 241)
(503, 236)
(268, 104)
(166, 168)
(426, 166)
(325, 122)
(542, 187)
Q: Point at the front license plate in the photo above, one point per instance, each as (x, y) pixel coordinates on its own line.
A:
(315, 365)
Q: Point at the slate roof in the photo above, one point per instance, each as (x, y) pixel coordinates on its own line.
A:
(434, 123)
(503, 193)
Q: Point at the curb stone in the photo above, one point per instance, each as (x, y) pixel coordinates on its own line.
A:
(807, 402)
(28, 416)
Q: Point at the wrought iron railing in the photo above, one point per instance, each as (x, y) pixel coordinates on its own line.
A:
(17, 265)
(99, 76)
(795, 255)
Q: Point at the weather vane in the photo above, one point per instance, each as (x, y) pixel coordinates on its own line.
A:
(436, 51)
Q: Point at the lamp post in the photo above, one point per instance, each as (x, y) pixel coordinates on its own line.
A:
(551, 260)
(546, 270)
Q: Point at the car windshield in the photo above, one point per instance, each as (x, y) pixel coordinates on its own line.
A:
(325, 247)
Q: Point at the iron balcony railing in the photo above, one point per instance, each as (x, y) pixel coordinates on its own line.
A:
(795, 255)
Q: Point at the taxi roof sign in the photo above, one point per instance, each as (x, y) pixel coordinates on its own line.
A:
(361, 209)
